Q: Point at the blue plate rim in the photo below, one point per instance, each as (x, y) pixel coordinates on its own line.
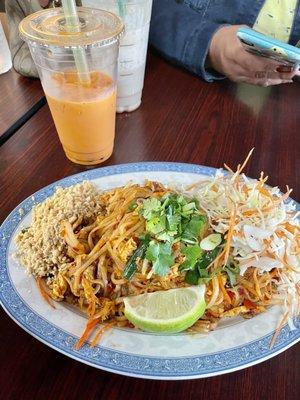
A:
(150, 367)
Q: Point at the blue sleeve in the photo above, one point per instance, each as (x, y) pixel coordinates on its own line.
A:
(183, 35)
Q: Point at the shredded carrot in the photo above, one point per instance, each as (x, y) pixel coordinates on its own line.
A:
(269, 208)
(250, 212)
(278, 328)
(43, 291)
(239, 167)
(88, 330)
(193, 185)
(228, 168)
(246, 161)
(239, 234)
(245, 189)
(229, 235)
(262, 180)
(279, 234)
(279, 200)
(265, 192)
(291, 228)
(224, 291)
(217, 262)
(256, 283)
(100, 332)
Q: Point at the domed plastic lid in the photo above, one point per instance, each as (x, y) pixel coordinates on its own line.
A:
(48, 27)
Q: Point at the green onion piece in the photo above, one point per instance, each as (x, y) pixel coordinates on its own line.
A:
(130, 268)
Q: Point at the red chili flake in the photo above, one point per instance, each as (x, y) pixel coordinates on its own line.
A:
(157, 187)
(175, 246)
(136, 239)
(110, 287)
(249, 304)
(241, 291)
(231, 294)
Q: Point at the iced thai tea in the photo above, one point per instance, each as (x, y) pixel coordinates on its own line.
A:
(84, 115)
(78, 72)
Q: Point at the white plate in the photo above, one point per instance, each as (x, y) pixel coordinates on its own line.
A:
(235, 344)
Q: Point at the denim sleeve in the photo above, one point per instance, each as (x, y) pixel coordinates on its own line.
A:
(182, 35)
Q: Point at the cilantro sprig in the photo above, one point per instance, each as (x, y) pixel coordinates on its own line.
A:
(169, 219)
(161, 256)
(232, 269)
(192, 256)
(196, 264)
(173, 218)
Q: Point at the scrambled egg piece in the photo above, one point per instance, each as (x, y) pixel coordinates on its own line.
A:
(59, 287)
(235, 311)
(126, 249)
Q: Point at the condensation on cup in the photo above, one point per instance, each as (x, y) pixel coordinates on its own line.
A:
(136, 15)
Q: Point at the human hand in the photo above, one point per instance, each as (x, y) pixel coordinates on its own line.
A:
(228, 57)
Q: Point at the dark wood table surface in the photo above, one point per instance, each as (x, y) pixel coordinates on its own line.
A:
(20, 98)
(181, 119)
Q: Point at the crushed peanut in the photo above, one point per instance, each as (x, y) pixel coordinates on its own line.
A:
(41, 249)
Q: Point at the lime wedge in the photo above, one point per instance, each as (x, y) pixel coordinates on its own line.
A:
(168, 311)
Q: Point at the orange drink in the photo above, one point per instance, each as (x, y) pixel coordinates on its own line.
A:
(84, 115)
(78, 70)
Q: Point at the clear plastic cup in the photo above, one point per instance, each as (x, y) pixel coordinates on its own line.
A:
(5, 56)
(83, 106)
(136, 15)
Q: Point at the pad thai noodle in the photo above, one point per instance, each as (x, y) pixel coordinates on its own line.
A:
(236, 235)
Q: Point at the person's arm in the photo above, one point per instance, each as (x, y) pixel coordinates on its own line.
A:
(228, 56)
(210, 50)
(21, 57)
(183, 36)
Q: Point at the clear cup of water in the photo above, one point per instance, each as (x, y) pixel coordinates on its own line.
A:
(136, 16)
(5, 56)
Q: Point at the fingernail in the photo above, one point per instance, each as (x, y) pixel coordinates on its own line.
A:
(284, 68)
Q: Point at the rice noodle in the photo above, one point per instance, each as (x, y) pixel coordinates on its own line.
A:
(261, 236)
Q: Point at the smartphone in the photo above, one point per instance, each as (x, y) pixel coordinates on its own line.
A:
(266, 46)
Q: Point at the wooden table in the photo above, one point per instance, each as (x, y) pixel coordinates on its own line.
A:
(181, 119)
(20, 98)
